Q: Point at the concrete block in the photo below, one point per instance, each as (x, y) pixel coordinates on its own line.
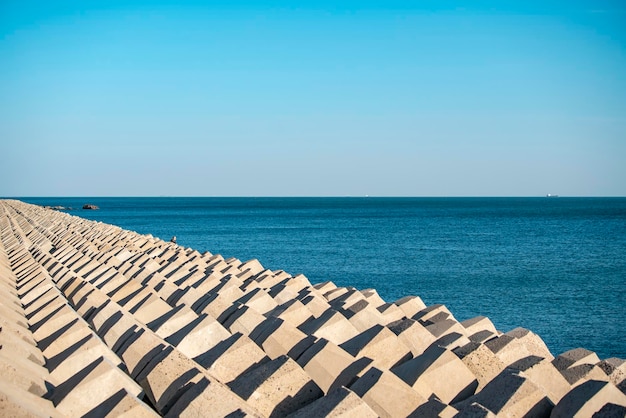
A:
(575, 357)
(254, 266)
(92, 386)
(168, 269)
(340, 403)
(55, 320)
(190, 279)
(330, 366)
(482, 336)
(325, 287)
(86, 299)
(231, 357)
(241, 318)
(37, 292)
(139, 348)
(219, 302)
(452, 341)
(32, 285)
(424, 373)
(518, 344)
(167, 376)
(276, 388)
(372, 297)
(579, 364)
(51, 297)
(343, 297)
(615, 369)
(478, 324)
(144, 275)
(247, 277)
(54, 304)
(23, 373)
(292, 311)
(209, 397)
(259, 300)
(14, 346)
(104, 276)
(199, 336)
(363, 316)
(63, 338)
(433, 313)
(444, 327)
(379, 344)
(208, 283)
(136, 298)
(511, 394)
(298, 282)
(278, 337)
(70, 285)
(124, 295)
(314, 302)
(481, 361)
(113, 284)
(267, 281)
(391, 313)
(217, 267)
(77, 261)
(111, 323)
(151, 281)
(582, 372)
(387, 394)
(94, 274)
(331, 325)
(251, 282)
(337, 292)
(78, 356)
(588, 398)
(543, 374)
(183, 273)
(13, 315)
(150, 309)
(7, 286)
(172, 321)
(17, 402)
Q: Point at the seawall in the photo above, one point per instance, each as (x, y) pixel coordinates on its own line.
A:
(100, 321)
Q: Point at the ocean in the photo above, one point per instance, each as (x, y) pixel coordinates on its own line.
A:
(556, 266)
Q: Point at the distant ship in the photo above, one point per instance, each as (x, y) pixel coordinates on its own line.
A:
(552, 195)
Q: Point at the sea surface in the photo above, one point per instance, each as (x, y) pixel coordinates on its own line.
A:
(556, 266)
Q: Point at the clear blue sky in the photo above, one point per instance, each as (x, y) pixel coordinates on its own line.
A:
(429, 98)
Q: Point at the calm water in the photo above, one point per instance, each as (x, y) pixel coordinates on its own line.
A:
(555, 266)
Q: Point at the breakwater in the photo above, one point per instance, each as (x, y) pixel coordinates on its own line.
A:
(99, 320)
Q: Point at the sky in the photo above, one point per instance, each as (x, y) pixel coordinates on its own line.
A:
(319, 98)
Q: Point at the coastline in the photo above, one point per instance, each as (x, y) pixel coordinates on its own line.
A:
(537, 263)
(182, 329)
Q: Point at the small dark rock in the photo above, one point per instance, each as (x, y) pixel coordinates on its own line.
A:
(56, 207)
(90, 207)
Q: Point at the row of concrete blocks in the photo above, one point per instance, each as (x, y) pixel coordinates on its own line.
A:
(362, 362)
(43, 375)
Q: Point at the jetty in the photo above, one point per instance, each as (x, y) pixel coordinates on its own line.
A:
(98, 321)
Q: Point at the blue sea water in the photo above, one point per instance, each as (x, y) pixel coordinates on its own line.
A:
(555, 266)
